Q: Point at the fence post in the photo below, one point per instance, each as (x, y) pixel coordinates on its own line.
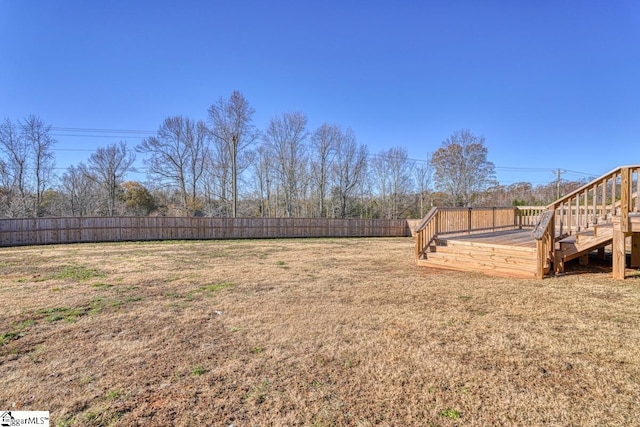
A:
(493, 219)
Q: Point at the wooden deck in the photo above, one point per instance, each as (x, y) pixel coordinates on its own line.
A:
(517, 237)
(510, 253)
(538, 241)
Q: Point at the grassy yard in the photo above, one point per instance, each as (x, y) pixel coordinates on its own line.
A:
(314, 332)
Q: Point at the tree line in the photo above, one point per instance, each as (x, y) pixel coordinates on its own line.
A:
(225, 166)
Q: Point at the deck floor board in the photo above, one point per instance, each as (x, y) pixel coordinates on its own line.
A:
(521, 238)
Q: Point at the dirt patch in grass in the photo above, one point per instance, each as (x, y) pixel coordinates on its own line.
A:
(308, 332)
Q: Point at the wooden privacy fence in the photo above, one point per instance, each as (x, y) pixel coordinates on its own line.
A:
(36, 231)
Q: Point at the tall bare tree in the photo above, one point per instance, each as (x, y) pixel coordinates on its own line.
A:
(107, 167)
(392, 170)
(231, 121)
(461, 168)
(263, 169)
(176, 158)
(79, 191)
(422, 174)
(285, 138)
(16, 153)
(38, 138)
(323, 151)
(349, 169)
(217, 181)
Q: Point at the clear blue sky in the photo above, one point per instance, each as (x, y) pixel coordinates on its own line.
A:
(549, 84)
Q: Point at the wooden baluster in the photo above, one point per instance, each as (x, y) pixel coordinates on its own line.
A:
(638, 190)
(603, 211)
(577, 213)
(595, 204)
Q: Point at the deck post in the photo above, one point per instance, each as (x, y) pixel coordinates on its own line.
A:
(635, 250)
(541, 259)
(625, 199)
(619, 252)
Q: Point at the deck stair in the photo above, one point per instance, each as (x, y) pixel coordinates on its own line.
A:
(583, 242)
(490, 258)
(536, 241)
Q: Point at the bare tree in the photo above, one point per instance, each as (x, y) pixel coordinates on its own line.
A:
(37, 136)
(348, 170)
(217, 181)
(232, 128)
(323, 151)
(176, 158)
(285, 138)
(108, 167)
(263, 170)
(422, 175)
(393, 180)
(79, 191)
(461, 168)
(16, 153)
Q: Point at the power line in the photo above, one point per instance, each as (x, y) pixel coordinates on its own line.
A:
(79, 132)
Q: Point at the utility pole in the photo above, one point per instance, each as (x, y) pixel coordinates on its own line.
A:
(558, 173)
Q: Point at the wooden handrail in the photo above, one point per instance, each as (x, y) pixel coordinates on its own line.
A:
(543, 224)
(426, 219)
(585, 207)
(591, 184)
(544, 233)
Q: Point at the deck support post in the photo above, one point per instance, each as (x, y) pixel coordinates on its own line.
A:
(541, 259)
(584, 260)
(619, 252)
(635, 250)
(558, 263)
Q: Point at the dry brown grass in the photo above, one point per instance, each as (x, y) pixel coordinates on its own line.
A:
(308, 332)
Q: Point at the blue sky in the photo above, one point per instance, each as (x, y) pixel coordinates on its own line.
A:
(548, 84)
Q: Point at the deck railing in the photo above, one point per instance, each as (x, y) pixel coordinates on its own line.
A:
(614, 194)
(452, 221)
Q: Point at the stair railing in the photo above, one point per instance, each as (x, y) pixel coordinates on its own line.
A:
(544, 233)
(598, 201)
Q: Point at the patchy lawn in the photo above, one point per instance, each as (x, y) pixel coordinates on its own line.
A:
(308, 332)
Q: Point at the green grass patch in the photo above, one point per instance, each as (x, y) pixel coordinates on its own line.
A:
(198, 370)
(9, 336)
(77, 272)
(69, 314)
(452, 414)
(16, 332)
(101, 285)
(114, 394)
